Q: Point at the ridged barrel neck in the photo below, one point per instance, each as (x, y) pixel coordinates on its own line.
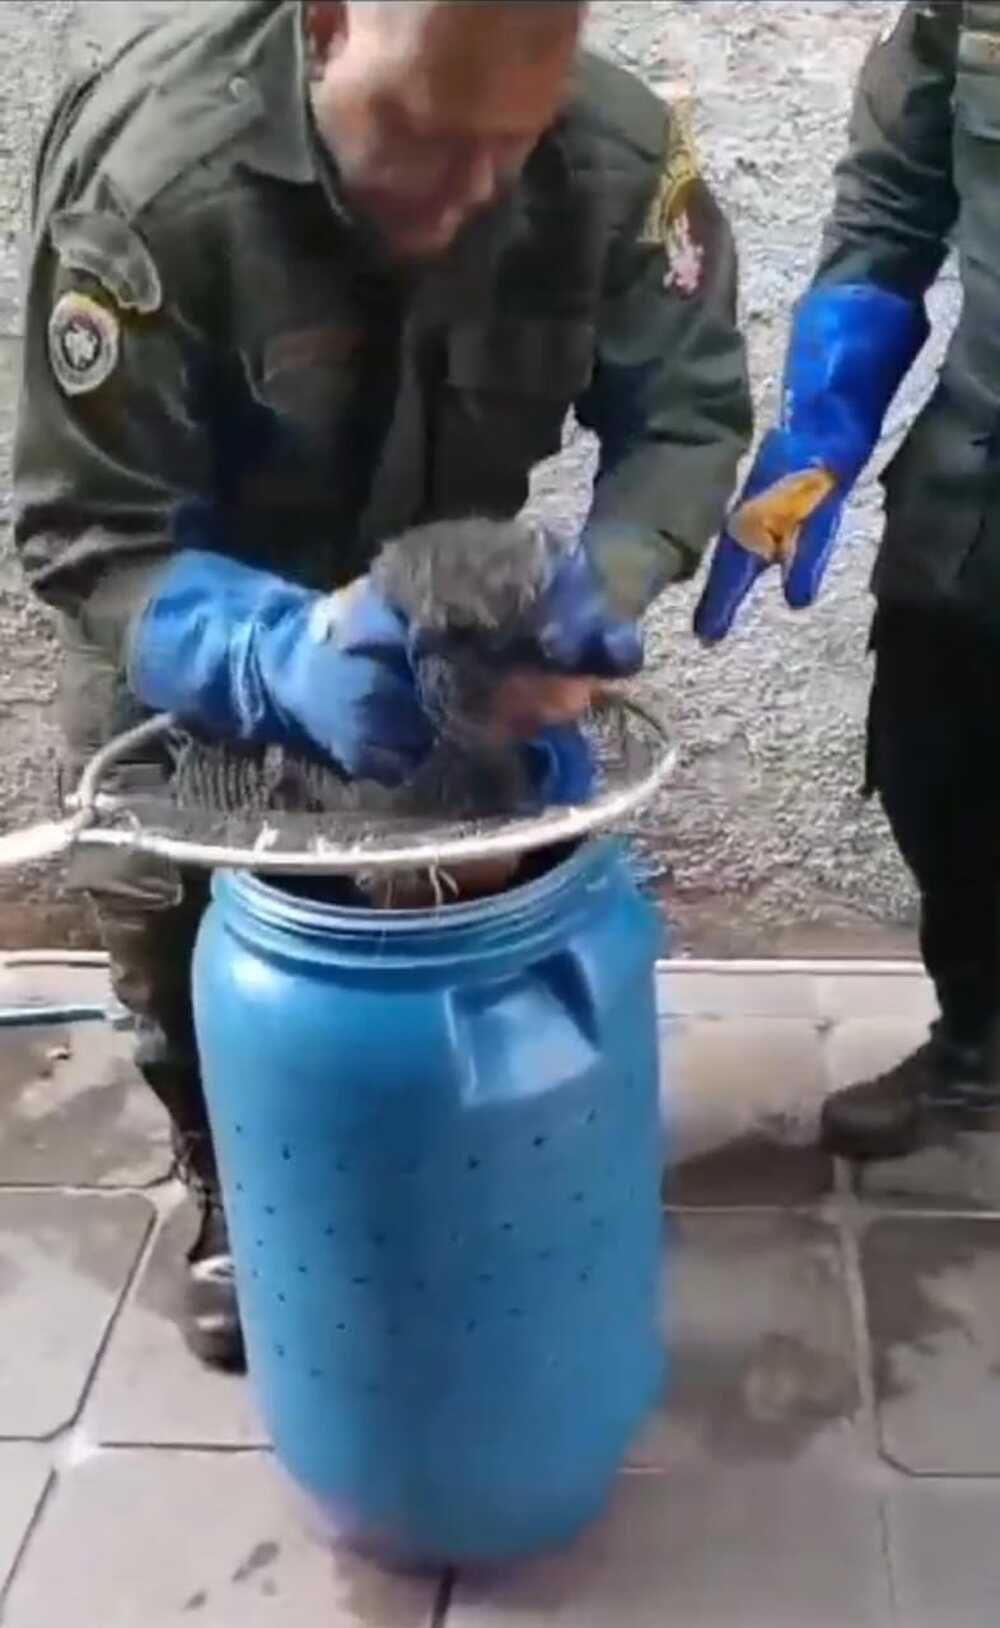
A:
(293, 912)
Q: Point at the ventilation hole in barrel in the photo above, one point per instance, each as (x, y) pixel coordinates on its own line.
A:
(544, 1255)
(471, 1326)
(259, 1242)
(282, 1299)
(506, 1226)
(420, 1285)
(486, 1277)
(239, 1130)
(269, 1209)
(329, 1232)
(591, 1118)
(341, 1167)
(584, 1277)
(472, 1163)
(279, 1350)
(341, 1328)
(254, 1274)
(597, 1225)
(315, 1373)
(239, 1187)
(303, 1271)
(514, 1312)
(286, 1153)
(379, 1240)
(577, 1198)
(539, 1141)
(361, 1283)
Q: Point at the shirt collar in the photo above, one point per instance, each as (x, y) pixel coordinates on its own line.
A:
(273, 74)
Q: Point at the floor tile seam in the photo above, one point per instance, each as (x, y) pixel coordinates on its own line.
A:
(863, 1355)
(889, 1568)
(158, 1193)
(37, 1515)
(77, 1426)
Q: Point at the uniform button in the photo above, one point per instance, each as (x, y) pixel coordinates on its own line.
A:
(238, 87)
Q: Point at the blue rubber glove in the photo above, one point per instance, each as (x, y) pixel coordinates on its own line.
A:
(850, 348)
(243, 655)
(575, 628)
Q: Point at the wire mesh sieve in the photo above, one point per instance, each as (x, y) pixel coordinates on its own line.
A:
(273, 810)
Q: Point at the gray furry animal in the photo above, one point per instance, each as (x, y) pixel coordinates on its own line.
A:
(474, 576)
(467, 589)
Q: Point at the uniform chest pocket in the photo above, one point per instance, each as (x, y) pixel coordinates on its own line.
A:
(309, 380)
(514, 381)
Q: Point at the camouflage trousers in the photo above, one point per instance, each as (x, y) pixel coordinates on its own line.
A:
(148, 912)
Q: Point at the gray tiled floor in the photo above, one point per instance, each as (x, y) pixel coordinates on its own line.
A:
(151, 1538)
(64, 1260)
(758, 1326)
(944, 1553)
(148, 1389)
(24, 1475)
(70, 1113)
(934, 1316)
(704, 1550)
(827, 1453)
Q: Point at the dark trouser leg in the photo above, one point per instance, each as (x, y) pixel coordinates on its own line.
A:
(149, 914)
(148, 911)
(934, 747)
(149, 918)
(150, 939)
(935, 728)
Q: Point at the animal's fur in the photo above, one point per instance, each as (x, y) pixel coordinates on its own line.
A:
(470, 585)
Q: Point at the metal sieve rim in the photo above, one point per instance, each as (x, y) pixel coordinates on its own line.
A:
(444, 847)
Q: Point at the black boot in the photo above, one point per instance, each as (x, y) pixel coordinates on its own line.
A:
(210, 1313)
(892, 1115)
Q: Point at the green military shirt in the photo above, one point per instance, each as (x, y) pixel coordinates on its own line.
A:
(923, 172)
(206, 321)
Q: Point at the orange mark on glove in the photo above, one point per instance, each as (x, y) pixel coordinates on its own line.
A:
(769, 525)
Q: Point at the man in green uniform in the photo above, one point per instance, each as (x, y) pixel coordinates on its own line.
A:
(303, 276)
(923, 168)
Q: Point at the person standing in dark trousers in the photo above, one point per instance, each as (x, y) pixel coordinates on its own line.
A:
(305, 275)
(922, 172)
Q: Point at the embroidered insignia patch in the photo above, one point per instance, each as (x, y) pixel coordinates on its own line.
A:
(83, 343)
(685, 257)
(668, 222)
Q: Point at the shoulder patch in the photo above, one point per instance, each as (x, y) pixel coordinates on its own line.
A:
(83, 343)
(680, 170)
(668, 222)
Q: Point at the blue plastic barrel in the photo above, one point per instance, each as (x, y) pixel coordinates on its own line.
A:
(439, 1142)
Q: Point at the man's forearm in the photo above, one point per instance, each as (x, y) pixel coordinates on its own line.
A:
(654, 516)
(895, 201)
